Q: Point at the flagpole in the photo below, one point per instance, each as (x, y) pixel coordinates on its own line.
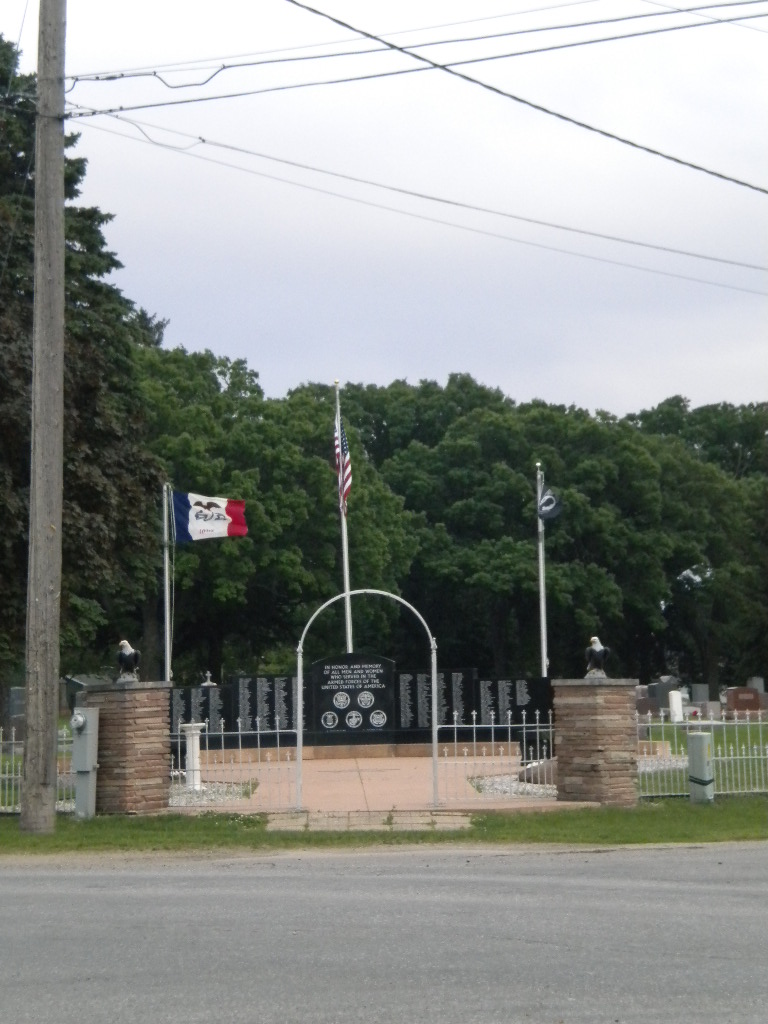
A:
(166, 581)
(542, 585)
(343, 518)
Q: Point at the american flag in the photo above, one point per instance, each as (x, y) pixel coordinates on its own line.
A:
(343, 464)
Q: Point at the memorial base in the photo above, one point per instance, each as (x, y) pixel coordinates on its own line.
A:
(360, 750)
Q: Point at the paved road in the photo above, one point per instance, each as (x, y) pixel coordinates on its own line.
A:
(420, 936)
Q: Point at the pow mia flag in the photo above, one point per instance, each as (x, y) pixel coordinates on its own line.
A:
(550, 506)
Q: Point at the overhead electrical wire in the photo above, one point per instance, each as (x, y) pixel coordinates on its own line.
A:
(107, 76)
(429, 64)
(158, 74)
(446, 223)
(338, 42)
(534, 106)
(412, 193)
(683, 10)
(592, 42)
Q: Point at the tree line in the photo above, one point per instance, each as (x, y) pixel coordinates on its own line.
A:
(661, 547)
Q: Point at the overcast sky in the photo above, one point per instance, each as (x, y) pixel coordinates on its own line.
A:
(311, 276)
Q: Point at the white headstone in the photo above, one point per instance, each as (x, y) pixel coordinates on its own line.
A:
(675, 706)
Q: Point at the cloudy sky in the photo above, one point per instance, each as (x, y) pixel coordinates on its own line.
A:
(289, 191)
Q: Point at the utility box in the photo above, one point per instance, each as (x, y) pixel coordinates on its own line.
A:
(701, 779)
(85, 746)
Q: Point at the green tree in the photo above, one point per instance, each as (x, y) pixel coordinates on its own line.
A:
(243, 604)
(108, 561)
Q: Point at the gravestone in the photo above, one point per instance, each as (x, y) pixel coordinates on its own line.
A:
(740, 699)
(660, 691)
(699, 693)
(645, 706)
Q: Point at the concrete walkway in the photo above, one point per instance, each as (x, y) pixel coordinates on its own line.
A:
(381, 793)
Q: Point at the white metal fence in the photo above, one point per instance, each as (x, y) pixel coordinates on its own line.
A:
(257, 770)
(12, 772)
(496, 762)
(739, 753)
(254, 769)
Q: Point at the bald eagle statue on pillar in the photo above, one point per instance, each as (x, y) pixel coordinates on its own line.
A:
(128, 660)
(597, 656)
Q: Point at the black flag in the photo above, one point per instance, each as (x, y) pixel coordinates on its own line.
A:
(550, 506)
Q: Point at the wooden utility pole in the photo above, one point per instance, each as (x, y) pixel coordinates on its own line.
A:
(38, 801)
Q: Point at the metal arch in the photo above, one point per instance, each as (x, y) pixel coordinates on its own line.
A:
(354, 593)
(300, 683)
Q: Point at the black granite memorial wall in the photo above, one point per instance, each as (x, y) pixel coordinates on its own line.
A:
(356, 699)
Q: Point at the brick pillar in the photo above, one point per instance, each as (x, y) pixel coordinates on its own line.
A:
(596, 740)
(134, 774)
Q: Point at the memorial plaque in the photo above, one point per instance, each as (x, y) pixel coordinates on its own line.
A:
(244, 708)
(532, 696)
(263, 703)
(217, 723)
(507, 700)
(406, 693)
(353, 695)
(414, 697)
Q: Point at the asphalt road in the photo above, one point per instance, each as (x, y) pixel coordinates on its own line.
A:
(422, 936)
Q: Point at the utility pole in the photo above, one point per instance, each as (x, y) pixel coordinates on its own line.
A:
(38, 800)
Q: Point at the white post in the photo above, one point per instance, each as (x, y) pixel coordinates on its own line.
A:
(166, 581)
(542, 584)
(343, 518)
(435, 709)
(192, 732)
(299, 721)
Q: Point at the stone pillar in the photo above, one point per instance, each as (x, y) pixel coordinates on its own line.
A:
(134, 774)
(596, 740)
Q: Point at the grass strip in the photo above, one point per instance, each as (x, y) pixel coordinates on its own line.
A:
(651, 822)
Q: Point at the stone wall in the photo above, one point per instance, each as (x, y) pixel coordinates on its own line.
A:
(596, 740)
(134, 773)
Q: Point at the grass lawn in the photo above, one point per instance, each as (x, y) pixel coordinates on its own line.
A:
(662, 821)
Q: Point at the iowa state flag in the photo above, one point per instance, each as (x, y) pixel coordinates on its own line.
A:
(199, 518)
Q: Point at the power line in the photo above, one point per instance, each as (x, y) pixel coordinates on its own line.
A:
(529, 103)
(434, 66)
(458, 204)
(382, 48)
(429, 66)
(606, 39)
(683, 10)
(440, 221)
(337, 42)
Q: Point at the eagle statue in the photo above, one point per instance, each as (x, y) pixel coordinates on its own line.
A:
(127, 658)
(596, 656)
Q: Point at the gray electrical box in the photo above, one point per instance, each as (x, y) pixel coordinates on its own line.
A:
(701, 780)
(85, 747)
